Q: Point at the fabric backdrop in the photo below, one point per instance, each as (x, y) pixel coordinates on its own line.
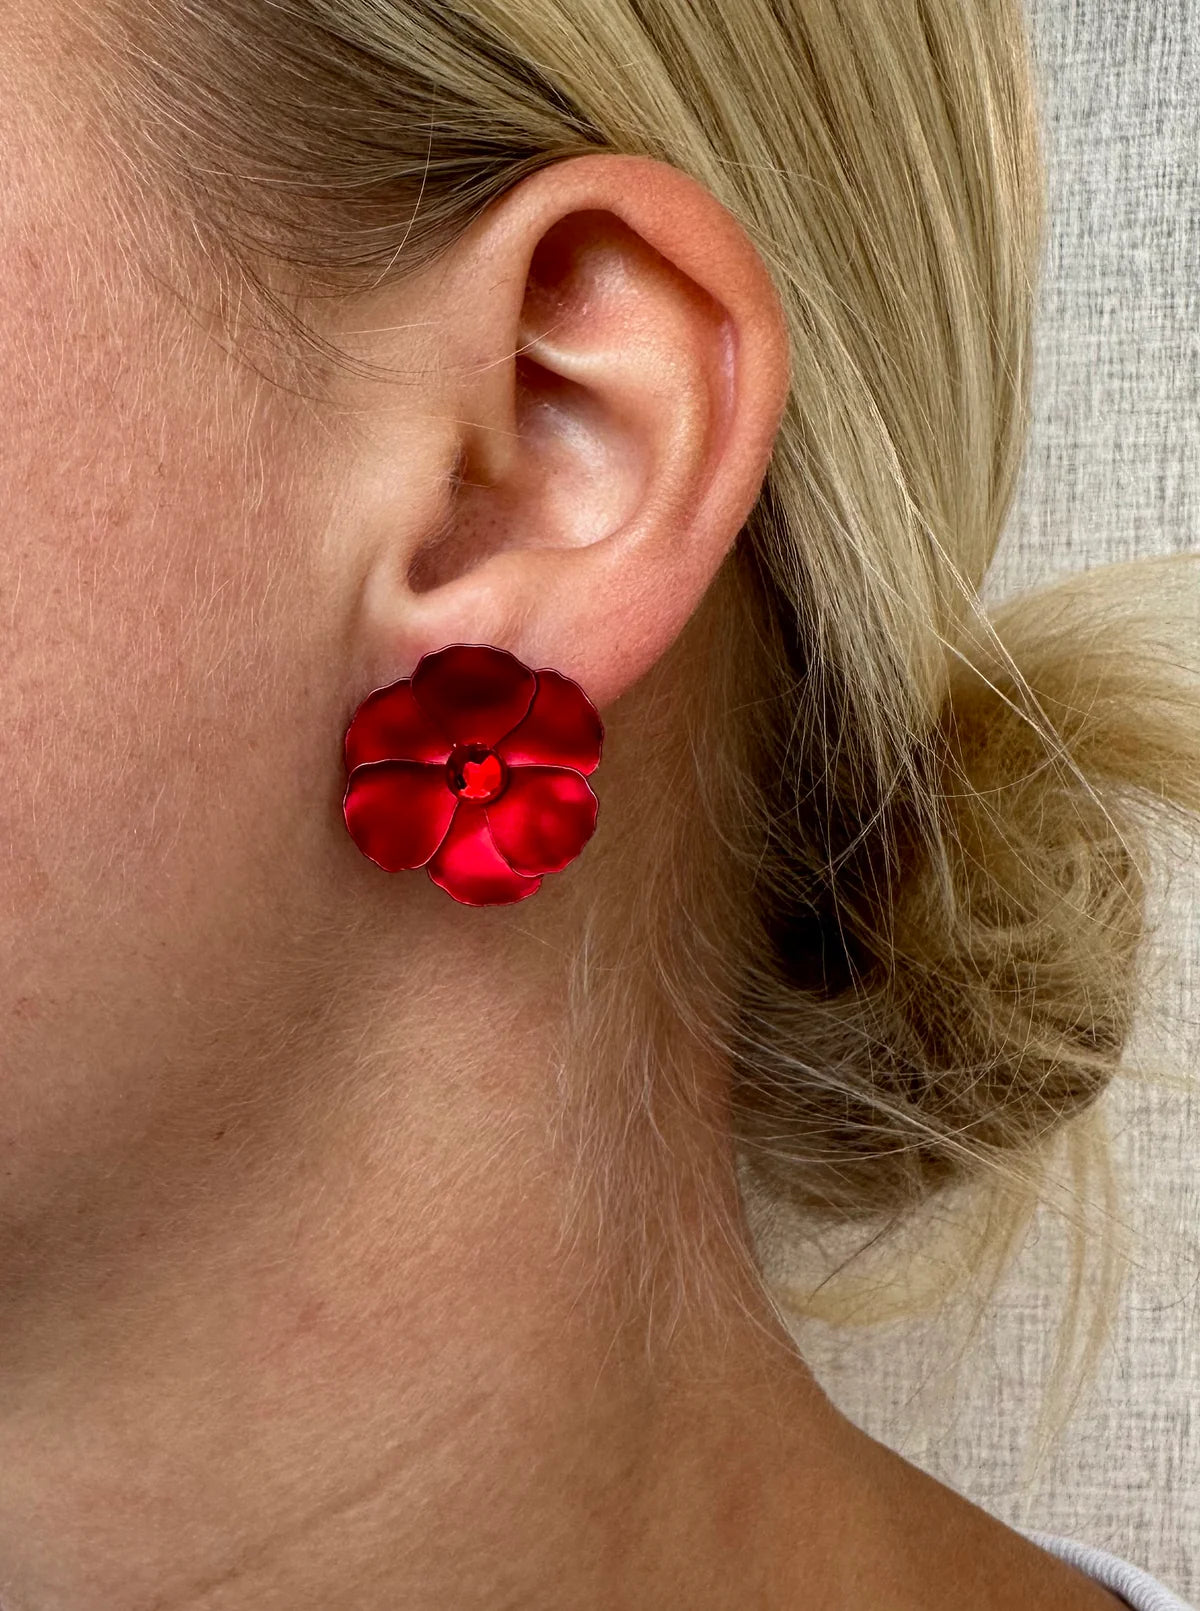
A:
(1113, 472)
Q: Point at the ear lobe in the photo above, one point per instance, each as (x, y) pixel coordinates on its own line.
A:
(621, 368)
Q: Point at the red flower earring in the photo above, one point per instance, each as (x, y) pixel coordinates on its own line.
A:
(473, 768)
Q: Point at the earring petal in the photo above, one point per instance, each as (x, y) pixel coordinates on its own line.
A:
(398, 812)
(468, 865)
(543, 819)
(562, 728)
(473, 691)
(390, 725)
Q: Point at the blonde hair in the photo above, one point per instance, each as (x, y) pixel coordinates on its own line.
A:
(902, 885)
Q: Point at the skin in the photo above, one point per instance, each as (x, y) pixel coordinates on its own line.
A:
(286, 1316)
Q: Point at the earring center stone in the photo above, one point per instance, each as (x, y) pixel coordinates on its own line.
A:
(475, 772)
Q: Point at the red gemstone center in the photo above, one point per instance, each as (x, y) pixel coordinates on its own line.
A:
(475, 772)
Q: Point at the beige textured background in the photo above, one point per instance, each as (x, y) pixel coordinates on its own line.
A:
(1114, 471)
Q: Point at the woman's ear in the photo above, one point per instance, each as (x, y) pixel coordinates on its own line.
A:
(601, 366)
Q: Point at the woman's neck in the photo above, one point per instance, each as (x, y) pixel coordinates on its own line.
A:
(401, 1358)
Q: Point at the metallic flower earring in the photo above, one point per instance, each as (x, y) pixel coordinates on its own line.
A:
(474, 768)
